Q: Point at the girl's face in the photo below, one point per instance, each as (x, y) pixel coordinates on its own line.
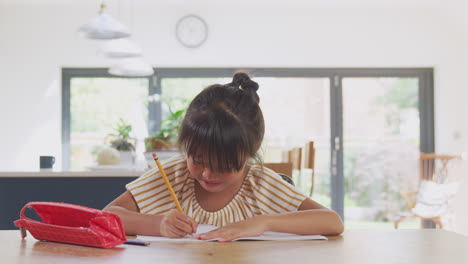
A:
(213, 181)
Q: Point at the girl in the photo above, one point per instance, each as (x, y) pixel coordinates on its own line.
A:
(214, 180)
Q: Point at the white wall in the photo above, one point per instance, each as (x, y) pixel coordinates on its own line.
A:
(36, 40)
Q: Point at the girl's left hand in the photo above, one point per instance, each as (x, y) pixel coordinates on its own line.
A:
(254, 226)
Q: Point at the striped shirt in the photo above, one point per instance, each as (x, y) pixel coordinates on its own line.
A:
(262, 192)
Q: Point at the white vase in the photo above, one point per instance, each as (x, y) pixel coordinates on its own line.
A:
(127, 158)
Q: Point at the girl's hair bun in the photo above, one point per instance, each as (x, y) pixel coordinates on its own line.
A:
(243, 81)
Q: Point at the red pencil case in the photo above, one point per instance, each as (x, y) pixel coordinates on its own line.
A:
(73, 224)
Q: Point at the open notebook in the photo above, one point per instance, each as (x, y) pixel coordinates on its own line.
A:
(267, 236)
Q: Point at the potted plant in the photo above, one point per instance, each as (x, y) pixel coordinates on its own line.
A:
(164, 141)
(122, 142)
(166, 137)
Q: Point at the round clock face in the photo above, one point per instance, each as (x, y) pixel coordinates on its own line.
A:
(191, 31)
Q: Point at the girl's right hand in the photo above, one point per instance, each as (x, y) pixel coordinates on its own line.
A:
(176, 224)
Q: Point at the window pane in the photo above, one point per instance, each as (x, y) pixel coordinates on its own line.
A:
(179, 92)
(96, 106)
(381, 148)
(297, 110)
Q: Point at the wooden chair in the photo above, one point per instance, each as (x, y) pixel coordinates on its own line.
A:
(282, 167)
(434, 178)
(309, 163)
(296, 156)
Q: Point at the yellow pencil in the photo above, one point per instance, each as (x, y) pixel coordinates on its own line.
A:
(168, 184)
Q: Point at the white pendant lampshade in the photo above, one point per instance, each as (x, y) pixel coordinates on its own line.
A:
(104, 26)
(132, 67)
(120, 48)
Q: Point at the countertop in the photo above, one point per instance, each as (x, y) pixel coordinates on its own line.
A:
(51, 174)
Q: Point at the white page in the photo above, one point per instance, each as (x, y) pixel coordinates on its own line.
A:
(204, 228)
(276, 236)
(267, 236)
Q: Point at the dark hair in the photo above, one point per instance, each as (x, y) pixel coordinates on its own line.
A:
(223, 125)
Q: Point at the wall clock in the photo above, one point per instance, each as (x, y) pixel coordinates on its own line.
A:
(191, 31)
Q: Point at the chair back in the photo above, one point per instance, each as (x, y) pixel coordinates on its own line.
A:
(309, 156)
(281, 167)
(432, 168)
(435, 167)
(295, 157)
(309, 163)
(302, 158)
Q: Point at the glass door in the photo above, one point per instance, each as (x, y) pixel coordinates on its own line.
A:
(381, 142)
(296, 111)
(381, 120)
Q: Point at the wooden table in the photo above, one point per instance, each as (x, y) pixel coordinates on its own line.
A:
(355, 246)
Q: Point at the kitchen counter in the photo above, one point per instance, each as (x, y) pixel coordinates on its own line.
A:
(52, 174)
(93, 189)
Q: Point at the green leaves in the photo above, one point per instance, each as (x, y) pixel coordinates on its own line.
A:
(123, 129)
(169, 126)
(121, 140)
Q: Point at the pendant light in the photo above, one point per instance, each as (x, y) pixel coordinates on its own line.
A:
(104, 26)
(132, 67)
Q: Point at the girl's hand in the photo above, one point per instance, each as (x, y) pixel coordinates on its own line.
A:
(254, 226)
(176, 224)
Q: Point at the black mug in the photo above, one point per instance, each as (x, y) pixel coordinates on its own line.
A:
(46, 162)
